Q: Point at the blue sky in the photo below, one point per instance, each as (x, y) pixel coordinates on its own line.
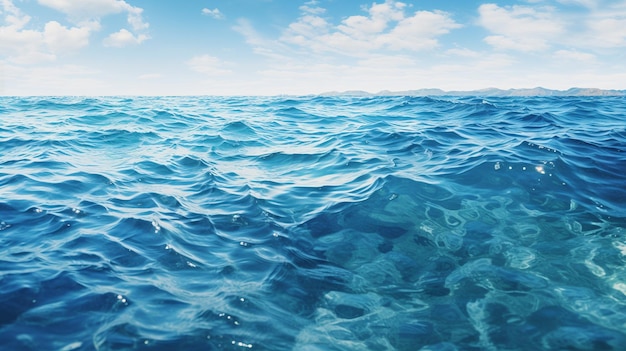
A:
(269, 47)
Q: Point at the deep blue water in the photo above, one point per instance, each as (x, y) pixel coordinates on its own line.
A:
(313, 223)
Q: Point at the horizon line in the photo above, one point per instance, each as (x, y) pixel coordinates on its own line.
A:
(489, 91)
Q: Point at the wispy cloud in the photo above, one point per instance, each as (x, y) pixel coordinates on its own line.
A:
(520, 28)
(574, 55)
(270, 48)
(207, 64)
(600, 25)
(150, 76)
(607, 31)
(585, 3)
(215, 13)
(46, 79)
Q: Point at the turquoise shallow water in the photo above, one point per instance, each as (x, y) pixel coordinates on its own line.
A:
(313, 223)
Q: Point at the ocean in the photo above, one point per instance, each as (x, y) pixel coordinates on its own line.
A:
(313, 223)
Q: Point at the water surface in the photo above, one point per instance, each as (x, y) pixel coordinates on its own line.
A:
(312, 223)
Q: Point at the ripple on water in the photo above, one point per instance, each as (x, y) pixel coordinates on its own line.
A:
(312, 223)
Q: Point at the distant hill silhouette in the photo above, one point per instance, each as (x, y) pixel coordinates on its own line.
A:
(487, 92)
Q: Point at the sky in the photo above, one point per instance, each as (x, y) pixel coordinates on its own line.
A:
(300, 47)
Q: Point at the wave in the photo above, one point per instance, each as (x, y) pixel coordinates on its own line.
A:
(345, 223)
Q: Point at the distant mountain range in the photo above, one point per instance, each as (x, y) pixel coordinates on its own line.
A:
(487, 92)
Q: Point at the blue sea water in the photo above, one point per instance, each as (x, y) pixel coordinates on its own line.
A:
(313, 223)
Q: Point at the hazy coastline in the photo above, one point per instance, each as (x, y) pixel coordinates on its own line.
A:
(486, 92)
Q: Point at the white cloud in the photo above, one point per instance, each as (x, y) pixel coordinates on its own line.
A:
(136, 20)
(124, 38)
(387, 40)
(215, 13)
(573, 55)
(419, 31)
(14, 18)
(93, 10)
(28, 46)
(463, 52)
(519, 27)
(23, 45)
(510, 43)
(312, 8)
(380, 16)
(602, 27)
(386, 27)
(60, 38)
(594, 24)
(607, 31)
(86, 8)
(389, 45)
(208, 65)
